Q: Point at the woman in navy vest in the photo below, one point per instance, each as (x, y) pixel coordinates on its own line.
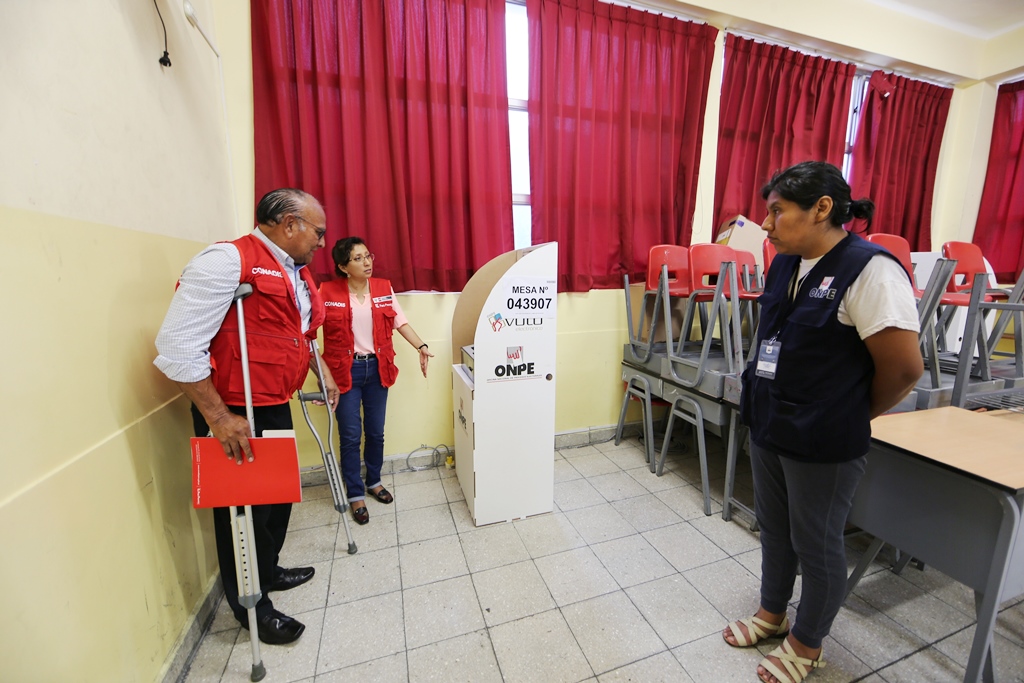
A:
(837, 345)
(361, 315)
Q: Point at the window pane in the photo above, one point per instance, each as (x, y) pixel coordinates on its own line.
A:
(521, 225)
(860, 92)
(519, 139)
(517, 50)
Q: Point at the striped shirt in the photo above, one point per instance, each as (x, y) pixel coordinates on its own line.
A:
(204, 295)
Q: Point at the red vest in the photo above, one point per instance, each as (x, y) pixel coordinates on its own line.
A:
(339, 340)
(278, 350)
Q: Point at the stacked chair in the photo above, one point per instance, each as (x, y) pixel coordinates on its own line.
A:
(686, 372)
(668, 276)
(986, 377)
(929, 299)
(948, 291)
(767, 253)
(699, 318)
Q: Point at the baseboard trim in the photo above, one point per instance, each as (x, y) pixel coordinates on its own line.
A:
(594, 435)
(192, 635)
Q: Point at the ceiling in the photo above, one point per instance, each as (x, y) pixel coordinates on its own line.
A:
(980, 18)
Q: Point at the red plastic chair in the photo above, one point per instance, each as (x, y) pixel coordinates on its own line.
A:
(751, 288)
(768, 254)
(705, 263)
(969, 262)
(746, 271)
(900, 248)
(678, 261)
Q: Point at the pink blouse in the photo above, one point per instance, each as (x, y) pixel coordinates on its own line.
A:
(362, 321)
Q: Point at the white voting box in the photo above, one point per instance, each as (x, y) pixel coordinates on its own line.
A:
(503, 393)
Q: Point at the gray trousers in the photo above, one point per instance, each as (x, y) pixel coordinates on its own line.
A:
(802, 509)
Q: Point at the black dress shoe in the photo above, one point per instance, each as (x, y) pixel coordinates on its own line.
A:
(383, 495)
(286, 579)
(277, 628)
(361, 515)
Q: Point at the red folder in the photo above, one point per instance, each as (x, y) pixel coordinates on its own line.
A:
(272, 476)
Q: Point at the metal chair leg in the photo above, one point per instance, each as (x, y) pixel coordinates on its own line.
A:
(696, 418)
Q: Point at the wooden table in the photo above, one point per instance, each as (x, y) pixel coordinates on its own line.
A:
(947, 487)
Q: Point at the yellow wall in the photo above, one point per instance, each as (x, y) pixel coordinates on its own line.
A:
(419, 409)
(116, 171)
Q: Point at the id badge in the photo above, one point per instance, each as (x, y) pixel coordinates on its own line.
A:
(768, 359)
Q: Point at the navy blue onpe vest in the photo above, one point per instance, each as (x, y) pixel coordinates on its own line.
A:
(817, 407)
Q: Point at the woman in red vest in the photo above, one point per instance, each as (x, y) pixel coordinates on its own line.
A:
(362, 314)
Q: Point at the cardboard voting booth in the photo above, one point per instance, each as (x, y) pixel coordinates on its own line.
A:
(503, 385)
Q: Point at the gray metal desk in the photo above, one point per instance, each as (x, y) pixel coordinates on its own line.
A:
(947, 486)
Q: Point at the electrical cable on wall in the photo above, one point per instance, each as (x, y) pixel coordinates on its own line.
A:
(166, 59)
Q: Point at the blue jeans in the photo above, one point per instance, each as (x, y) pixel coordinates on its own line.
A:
(366, 392)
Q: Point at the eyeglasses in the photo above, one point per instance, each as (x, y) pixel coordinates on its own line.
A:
(360, 259)
(320, 231)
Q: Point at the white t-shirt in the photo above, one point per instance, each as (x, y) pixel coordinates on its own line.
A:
(880, 297)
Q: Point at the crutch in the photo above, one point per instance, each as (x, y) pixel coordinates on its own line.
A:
(246, 567)
(330, 464)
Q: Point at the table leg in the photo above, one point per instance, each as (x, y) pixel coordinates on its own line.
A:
(862, 566)
(987, 601)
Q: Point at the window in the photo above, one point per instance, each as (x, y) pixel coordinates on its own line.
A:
(860, 91)
(517, 47)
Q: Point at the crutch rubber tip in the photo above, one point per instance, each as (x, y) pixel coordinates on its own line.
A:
(352, 548)
(259, 672)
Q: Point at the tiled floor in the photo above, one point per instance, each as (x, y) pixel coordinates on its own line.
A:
(626, 580)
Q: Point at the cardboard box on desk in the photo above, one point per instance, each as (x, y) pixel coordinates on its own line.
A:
(744, 234)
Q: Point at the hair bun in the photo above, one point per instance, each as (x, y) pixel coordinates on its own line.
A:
(862, 208)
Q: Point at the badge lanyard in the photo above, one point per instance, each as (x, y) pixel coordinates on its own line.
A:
(768, 353)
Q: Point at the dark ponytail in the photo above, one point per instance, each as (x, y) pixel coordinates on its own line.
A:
(863, 209)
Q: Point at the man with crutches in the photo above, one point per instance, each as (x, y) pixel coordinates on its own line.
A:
(200, 349)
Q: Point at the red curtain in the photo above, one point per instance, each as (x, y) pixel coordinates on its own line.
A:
(395, 114)
(779, 107)
(616, 111)
(1000, 227)
(896, 154)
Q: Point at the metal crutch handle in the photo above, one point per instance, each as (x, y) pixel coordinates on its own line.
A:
(247, 571)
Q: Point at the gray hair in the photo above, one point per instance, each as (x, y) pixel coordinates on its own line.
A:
(276, 203)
